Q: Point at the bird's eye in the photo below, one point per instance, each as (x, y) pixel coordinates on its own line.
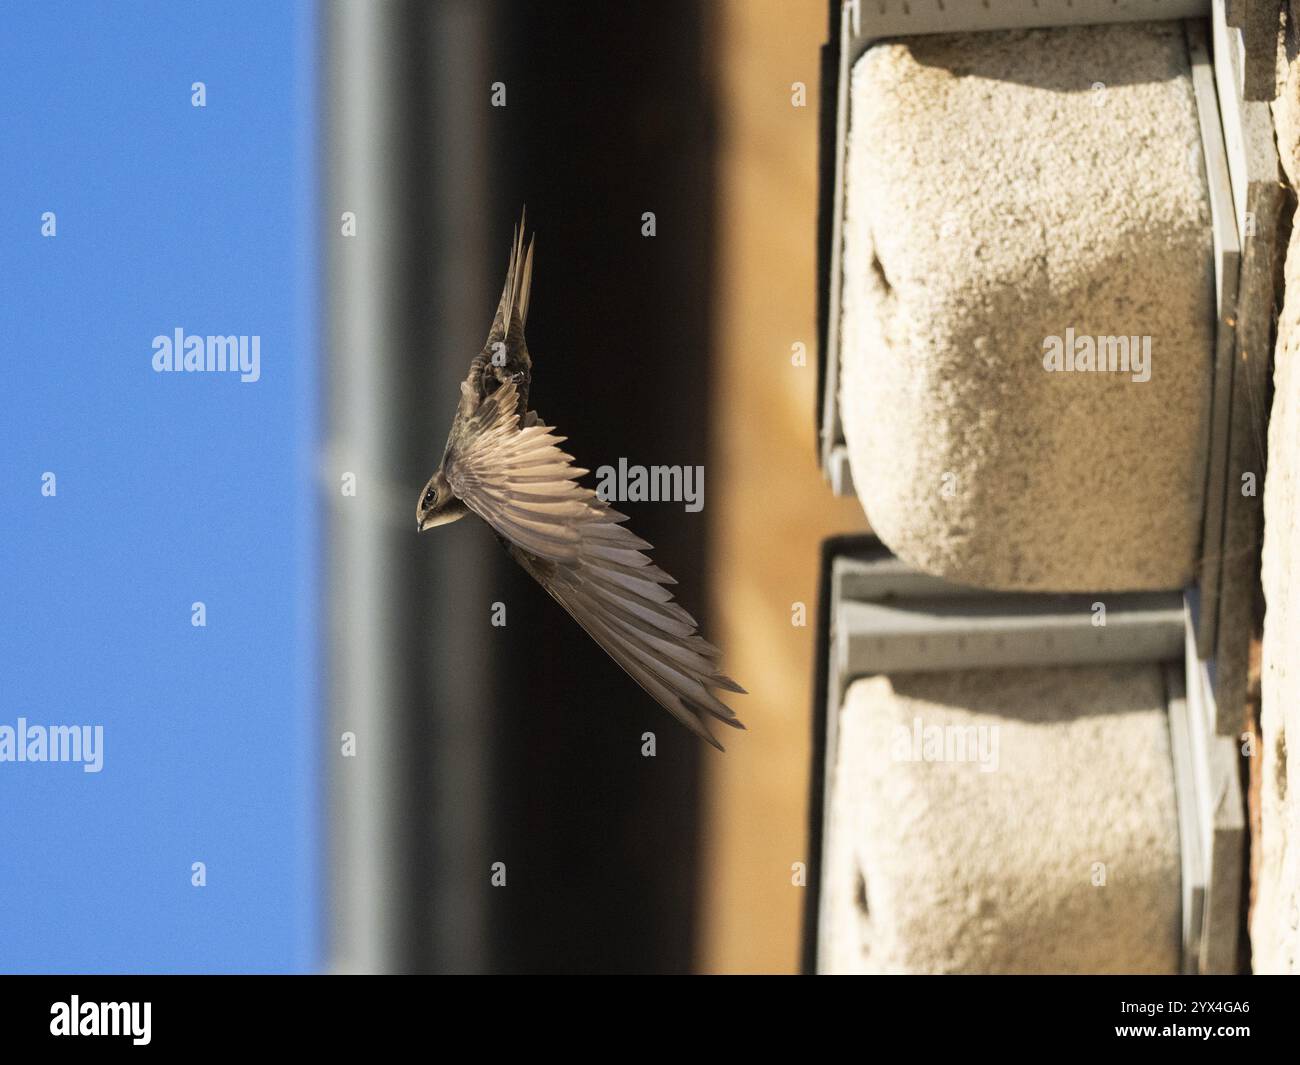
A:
(430, 497)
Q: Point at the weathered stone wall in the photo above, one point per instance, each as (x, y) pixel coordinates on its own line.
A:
(1275, 922)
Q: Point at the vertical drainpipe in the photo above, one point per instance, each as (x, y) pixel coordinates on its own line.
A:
(409, 812)
(453, 111)
(361, 123)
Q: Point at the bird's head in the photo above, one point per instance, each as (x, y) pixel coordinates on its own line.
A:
(437, 504)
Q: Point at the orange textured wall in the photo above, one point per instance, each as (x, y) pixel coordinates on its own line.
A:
(769, 506)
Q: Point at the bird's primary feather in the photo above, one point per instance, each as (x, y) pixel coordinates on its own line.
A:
(512, 310)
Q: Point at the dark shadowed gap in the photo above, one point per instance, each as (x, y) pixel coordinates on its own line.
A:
(608, 116)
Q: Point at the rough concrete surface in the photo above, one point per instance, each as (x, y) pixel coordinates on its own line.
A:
(1275, 920)
(1063, 859)
(1003, 188)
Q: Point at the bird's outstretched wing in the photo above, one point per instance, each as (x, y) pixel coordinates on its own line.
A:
(521, 483)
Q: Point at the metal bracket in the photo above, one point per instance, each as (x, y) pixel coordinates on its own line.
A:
(885, 617)
(903, 18)
(890, 619)
(1227, 268)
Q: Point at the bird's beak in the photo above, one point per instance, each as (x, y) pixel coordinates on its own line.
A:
(445, 513)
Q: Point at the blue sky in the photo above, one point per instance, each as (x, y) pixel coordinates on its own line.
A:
(171, 488)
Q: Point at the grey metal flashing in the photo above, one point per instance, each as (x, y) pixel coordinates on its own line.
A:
(1213, 790)
(1190, 848)
(834, 456)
